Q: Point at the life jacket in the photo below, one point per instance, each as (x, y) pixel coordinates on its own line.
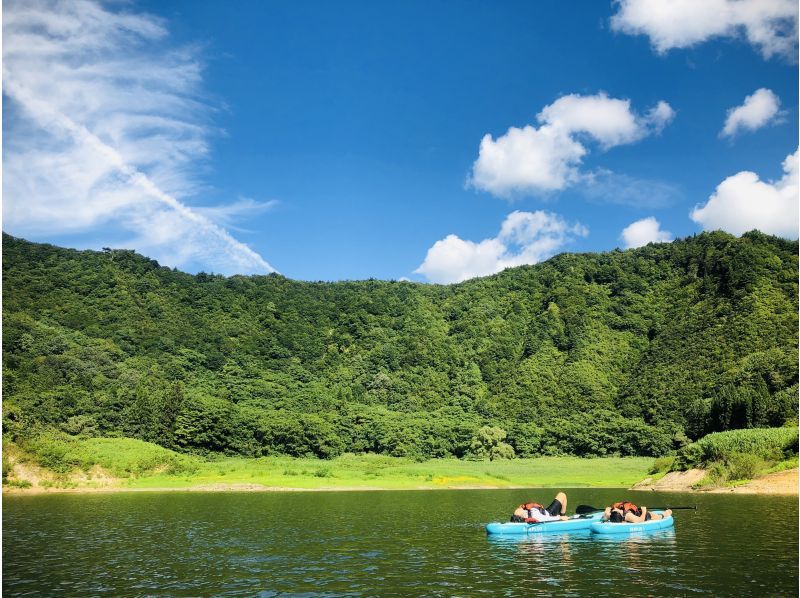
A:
(530, 506)
(627, 507)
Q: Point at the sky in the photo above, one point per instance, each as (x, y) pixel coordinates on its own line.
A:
(431, 141)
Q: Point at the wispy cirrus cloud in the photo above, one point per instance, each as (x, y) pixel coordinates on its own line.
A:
(606, 186)
(105, 127)
(229, 215)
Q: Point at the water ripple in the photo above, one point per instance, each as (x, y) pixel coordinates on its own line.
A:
(392, 543)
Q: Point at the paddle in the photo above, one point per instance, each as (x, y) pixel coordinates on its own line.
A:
(585, 509)
(555, 520)
(582, 516)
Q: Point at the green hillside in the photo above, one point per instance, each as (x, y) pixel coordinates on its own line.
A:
(618, 353)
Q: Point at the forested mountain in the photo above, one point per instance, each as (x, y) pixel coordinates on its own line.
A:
(625, 352)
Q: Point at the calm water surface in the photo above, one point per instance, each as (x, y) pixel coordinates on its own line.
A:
(383, 543)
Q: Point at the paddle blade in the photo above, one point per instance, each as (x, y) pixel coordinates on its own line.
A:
(586, 509)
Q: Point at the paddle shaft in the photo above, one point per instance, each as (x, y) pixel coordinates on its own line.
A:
(583, 509)
(570, 519)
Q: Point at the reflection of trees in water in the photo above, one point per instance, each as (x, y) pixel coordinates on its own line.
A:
(635, 550)
(542, 549)
(549, 558)
(662, 536)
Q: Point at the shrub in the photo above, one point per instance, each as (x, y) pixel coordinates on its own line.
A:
(17, 483)
(53, 450)
(771, 444)
(661, 465)
(122, 457)
(323, 472)
(80, 425)
(716, 475)
(127, 456)
(744, 466)
(688, 457)
(7, 468)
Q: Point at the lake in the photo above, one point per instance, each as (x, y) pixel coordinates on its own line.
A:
(368, 543)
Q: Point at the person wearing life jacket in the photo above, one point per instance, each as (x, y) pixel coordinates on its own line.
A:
(532, 512)
(626, 511)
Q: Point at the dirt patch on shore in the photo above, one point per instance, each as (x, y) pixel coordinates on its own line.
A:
(41, 480)
(780, 482)
(229, 487)
(21, 471)
(675, 481)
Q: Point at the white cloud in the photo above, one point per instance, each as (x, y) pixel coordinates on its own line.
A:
(769, 25)
(539, 160)
(524, 238)
(743, 202)
(644, 231)
(228, 215)
(526, 160)
(758, 110)
(608, 120)
(105, 129)
(659, 116)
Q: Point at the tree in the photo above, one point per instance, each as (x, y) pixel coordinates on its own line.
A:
(613, 353)
(488, 443)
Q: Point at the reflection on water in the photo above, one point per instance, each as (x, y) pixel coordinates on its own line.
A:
(357, 543)
(660, 535)
(565, 562)
(541, 538)
(582, 536)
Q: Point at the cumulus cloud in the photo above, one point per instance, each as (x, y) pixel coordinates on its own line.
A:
(759, 109)
(105, 128)
(659, 116)
(743, 202)
(768, 25)
(546, 158)
(526, 160)
(644, 231)
(524, 238)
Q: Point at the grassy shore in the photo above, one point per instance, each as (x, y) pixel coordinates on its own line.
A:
(131, 464)
(373, 471)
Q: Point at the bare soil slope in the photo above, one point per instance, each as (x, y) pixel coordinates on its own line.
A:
(781, 482)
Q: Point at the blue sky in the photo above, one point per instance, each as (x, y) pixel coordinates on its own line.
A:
(337, 140)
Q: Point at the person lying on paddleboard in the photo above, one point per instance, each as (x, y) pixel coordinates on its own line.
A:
(630, 513)
(532, 512)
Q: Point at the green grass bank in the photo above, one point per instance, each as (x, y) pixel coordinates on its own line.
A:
(55, 460)
(125, 463)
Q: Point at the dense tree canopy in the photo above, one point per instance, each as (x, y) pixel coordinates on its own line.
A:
(625, 352)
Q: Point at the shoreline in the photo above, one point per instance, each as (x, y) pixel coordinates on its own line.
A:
(234, 487)
(112, 467)
(109, 473)
(783, 483)
(779, 483)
